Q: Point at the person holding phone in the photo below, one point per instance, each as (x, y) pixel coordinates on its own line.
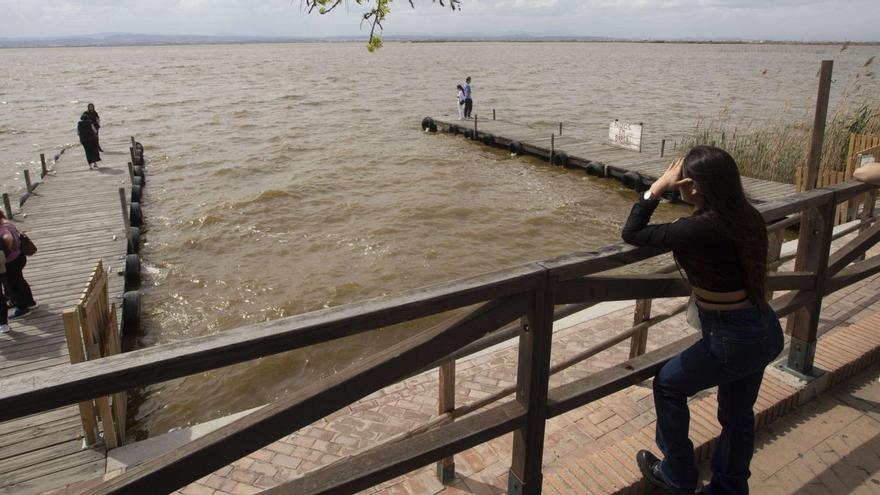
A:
(722, 248)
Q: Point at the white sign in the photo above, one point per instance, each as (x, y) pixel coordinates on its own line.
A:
(627, 136)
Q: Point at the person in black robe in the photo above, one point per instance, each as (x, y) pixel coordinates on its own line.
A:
(96, 120)
(88, 137)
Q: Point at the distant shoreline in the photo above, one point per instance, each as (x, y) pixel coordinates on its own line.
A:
(199, 40)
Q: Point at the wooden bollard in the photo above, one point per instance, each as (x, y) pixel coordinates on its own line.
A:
(475, 126)
(7, 206)
(552, 147)
(662, 147)
(124, 209)
(493, 114)
(27, 180)
(43, 170)
(133, 143)
(446, 403)
(560, 128)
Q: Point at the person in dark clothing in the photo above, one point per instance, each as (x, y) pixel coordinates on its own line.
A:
(468, 102)
(722, 248)
(88, 137)
(19, 289)
(96, 120)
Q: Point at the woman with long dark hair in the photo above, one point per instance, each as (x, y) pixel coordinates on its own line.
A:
(722, 248)
(88, 137)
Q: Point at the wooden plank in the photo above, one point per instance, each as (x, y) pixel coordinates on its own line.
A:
(77, 355)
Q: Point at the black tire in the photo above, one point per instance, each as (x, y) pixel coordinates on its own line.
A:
(137, 180)
(131, 313)
(136, 194)
(469, 133)
(138, 147)
(132, 273)
(138, 160)
(631, 180)
(428, 123)
(596, 169)
(454, 129)
(515, 147)
(560, 159)
(134, 240)
(433, 127)
(138, 171)
(489, 139)
(135, 215)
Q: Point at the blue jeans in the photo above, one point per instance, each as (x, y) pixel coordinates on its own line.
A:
(736, 347)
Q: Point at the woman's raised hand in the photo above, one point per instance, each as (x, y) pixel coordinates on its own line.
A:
(670, 179)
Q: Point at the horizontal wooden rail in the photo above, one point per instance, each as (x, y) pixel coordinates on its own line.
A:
(627, 287)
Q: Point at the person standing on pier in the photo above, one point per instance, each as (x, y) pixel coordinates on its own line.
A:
(88, 137)
(722, 248)
(460, 102)
(468, 102)
(19, 289)
(96, 120)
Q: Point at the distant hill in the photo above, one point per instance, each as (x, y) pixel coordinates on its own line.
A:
(126, 39)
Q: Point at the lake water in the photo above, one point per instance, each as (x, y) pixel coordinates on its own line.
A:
(292, 177)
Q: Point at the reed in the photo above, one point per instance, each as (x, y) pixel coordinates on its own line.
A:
(774, 149)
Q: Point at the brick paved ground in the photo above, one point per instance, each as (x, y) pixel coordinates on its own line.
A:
(483, 469)
(829, 446)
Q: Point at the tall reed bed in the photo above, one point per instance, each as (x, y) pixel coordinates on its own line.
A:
(773, 150)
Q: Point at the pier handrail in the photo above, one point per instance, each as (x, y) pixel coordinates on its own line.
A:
(528, 292)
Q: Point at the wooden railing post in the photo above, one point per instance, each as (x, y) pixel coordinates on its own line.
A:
(662, 147)
(7, 206)
(814, 245)
(446, 391)
(552, 147)
(27, 180)
(43, 169)
(639, 341)
(532, 379)
(774, 251)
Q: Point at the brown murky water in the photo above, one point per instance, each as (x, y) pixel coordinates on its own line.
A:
(288, 178)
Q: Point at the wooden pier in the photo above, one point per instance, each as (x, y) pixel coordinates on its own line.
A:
(571, 147)
(74, 216)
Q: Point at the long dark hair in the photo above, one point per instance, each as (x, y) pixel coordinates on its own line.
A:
(717, 179)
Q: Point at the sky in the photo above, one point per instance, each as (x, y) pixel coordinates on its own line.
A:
(795, 20)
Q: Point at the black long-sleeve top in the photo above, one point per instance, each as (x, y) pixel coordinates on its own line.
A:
(707, 256)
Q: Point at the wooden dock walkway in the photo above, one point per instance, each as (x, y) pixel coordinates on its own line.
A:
(581, 152)
(74, 217)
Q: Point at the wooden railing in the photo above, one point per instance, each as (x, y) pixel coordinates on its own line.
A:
(522, 301)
